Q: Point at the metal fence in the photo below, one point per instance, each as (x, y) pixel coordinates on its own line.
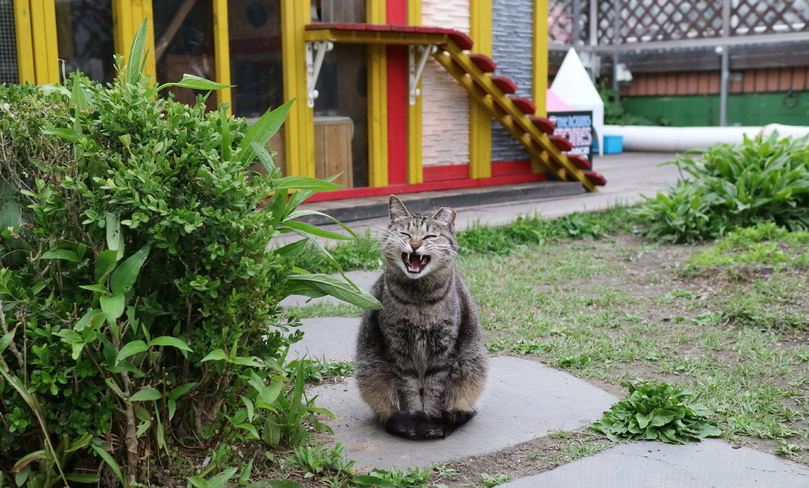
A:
(618, 28)
(8, 44)
(620, 25)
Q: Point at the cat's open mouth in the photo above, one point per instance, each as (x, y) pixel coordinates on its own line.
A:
(415, 263)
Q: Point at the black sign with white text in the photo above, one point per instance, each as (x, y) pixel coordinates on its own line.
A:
(577, 127)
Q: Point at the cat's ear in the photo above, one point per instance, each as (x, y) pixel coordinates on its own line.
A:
(396, 209)
(445, 216)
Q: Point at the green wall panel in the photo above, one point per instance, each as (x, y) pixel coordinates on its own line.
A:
(743, 109)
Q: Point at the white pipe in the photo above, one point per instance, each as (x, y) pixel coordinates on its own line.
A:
(671, 139)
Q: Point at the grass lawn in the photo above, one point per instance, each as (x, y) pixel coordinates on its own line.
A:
(621, 309)
(728, 320)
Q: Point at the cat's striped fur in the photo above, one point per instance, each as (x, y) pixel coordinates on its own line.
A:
(421, 363)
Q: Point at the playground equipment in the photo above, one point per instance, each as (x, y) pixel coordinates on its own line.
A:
(475, 72)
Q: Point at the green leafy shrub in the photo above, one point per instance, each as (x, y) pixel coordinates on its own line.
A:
(765, 179)
(138, 300)
(657, 412)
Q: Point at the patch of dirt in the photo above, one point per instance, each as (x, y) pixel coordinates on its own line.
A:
(526, 459)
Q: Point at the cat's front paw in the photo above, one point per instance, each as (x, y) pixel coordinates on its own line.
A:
(415, 426)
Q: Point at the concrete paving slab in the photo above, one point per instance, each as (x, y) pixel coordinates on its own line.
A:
(363, 279)
(710, 464)
(331, 338)
(523, 400)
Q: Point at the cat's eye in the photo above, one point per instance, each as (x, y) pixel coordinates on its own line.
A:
(406, 235)
(431, 236)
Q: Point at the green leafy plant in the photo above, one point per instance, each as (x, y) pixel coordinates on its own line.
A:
(320, 370)
(138, 297)
(384, 478)
(765, 179)
(490, 481)
(657, 412)
(318, 461)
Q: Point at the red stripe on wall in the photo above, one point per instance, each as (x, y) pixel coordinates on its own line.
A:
(434, 186)
(397, 99)
(453, 172)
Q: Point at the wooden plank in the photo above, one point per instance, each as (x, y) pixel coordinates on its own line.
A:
(299, 136)
(377, 101)
(480, 122)
(25, 46)
(377, 37)
(540, 45)
(415, 173)
(785, 79)
(761, 80)
(221, 39)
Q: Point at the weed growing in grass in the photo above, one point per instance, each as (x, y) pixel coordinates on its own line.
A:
(320, 370)
(489, 481)
(657, 412)
(384, 478)
(317, 461)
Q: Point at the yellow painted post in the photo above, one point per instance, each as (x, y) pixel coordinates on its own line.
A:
(221, 35)
(43, 36)
(25, 44)
(377, 100)
(415, 169)
(540, 87)
(299, 132)
(127, 15)
(51, 41)
(480, 122)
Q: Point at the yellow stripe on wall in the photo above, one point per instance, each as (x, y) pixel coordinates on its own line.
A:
(127, 16)
(25, 44)
(480, 122)
(299, 130)
(415, 169)
(540, 56)
(377, 101)
(222, 50)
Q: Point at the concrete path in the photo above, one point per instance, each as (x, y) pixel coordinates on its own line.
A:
(523, 400)
(330, 338)
(709, 464)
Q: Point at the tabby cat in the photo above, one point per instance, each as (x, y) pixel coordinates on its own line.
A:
(421, 363)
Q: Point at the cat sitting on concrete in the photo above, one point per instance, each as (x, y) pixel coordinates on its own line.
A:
(421, 363)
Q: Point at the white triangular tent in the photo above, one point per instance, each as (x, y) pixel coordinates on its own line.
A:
(573, 85)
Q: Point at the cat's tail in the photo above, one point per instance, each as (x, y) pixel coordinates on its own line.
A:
(420, 426)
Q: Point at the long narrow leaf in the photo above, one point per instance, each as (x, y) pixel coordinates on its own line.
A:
(261, 132)
(316, 231)
(342, 290)
(136, 55)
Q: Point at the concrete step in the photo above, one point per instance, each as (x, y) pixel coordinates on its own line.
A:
(710, 463)
(352, 210)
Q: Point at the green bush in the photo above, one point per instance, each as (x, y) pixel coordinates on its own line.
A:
(138, 301)
(765, 179)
